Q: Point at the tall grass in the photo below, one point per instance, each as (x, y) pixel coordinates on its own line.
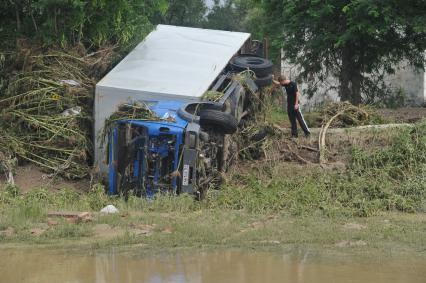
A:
(392, 178)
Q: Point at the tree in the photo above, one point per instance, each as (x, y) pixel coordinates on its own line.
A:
(352, 40)
(63, 22)
(226, 15)
(185, 13)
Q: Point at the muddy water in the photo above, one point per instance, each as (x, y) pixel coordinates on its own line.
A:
(228, 266)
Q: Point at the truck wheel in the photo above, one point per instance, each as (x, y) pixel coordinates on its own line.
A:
(223, 122)
(237, 101)
(263, 82)
(190, 111)
(260, 66)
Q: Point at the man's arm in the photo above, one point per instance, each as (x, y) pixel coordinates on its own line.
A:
(296, 103)
(277, 83)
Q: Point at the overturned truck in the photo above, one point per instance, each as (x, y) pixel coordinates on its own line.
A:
(200, 84)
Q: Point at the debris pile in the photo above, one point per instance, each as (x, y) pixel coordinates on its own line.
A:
(349, 115)
(342, 114)
(261, 140)
(45, 115)
(129, 111)
(213, 96)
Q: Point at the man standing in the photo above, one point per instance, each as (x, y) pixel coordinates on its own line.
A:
(293, 108)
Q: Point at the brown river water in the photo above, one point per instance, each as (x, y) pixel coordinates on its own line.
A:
(40, 266)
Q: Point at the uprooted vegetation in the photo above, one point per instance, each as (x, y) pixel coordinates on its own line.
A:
(46, 111)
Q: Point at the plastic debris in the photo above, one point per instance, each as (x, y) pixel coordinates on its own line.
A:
(109, 209)
(73, 111)
(69, 82)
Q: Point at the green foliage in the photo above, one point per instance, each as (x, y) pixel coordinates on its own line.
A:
(406, 155)
(67, 230)
(97, 197)
(352, 40)
(68, 22)
(336, 194)
(388, 179)
(184, 13)
(393, 99)
(164, 203)
(228, 15)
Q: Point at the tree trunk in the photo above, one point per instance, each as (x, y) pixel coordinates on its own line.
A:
(18, 17)
(350, 78)
(55, 23)
(32, 17)
(356, 78)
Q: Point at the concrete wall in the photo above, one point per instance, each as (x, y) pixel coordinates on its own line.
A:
(412, 81)
(406, 77)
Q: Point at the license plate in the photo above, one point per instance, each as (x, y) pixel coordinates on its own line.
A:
(185, 177)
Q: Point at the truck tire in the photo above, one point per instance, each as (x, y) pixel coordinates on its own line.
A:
(237, 100)
(220, 121)
(260, 66)
(186, 111)
(263, 82)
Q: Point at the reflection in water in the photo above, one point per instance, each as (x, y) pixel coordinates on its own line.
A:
(225, 266)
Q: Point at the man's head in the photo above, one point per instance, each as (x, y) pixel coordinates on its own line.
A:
(283, 80)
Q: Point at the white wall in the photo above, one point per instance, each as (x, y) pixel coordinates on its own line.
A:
(410, 80)
(424, 87)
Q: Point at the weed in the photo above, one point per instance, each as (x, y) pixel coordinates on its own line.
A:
(67, 230)
(97, 197)
(390, 178)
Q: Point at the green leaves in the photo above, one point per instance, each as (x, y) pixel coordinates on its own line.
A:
(92, 22)
(185, 12)
(351, 40)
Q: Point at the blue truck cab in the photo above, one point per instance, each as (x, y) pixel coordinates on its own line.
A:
(156, 142)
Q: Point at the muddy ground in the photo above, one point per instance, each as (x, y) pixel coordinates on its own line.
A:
(29, 177)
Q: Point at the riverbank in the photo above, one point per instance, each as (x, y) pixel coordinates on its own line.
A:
(155, 232)
(370, 196)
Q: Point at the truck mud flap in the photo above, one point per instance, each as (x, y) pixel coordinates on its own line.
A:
(189, 169)
(190, 159)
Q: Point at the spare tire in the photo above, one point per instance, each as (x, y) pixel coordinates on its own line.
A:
(265, 81)
(260, 66)
(220, 121)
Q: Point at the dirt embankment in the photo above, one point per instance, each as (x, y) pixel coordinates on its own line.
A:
(404, 115)
(30, 177)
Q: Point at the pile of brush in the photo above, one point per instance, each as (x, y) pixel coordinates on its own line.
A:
(46, 111)
(349, 115)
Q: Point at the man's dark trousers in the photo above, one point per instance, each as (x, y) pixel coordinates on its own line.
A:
(294, 117)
